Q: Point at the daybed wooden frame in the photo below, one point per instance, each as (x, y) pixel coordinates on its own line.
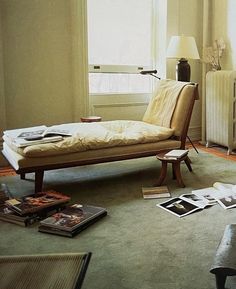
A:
(180, 121)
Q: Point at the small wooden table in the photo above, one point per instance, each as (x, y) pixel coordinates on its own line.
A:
(175, 168)
(92, 118)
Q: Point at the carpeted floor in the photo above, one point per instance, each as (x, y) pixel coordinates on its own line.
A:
(138, 245)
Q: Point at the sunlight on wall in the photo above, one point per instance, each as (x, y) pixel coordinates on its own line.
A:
(224, 22)
(231, 24)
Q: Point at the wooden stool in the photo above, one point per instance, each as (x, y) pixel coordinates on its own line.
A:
(175, 168)
(91, 119)
(225, 259)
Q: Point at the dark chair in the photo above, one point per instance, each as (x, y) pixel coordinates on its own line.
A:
(225, 259)
(44, 271)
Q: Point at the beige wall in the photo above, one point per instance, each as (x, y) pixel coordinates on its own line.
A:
(223, 24)
(2, 96)
(38, 59)
(186, 17)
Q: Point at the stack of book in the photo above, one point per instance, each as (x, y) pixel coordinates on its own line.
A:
(72, 220)
(50, 209)
(31, 208)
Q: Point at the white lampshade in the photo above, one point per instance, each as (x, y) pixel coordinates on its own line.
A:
(182, 47)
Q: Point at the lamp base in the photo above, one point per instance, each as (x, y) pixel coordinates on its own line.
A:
(183, 70)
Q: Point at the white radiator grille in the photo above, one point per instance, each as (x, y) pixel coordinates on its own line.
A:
(220, 108)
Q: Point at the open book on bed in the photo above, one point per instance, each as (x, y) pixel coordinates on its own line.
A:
(47, 132)
(37, 135)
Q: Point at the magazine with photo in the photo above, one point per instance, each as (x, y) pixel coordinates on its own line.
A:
(36, 202)
(209, 194)
(179, 207)
(194, 199)
(14, 133)
(227, 202)
(73, 217)
(38, 134)
(155, 192)
(226, 196)
(47, 132)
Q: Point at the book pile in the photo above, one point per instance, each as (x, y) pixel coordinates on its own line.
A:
(26, 210)
(50, 209)
(72, 220)
(220, 193)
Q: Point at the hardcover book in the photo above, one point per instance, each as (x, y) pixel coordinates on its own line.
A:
(10, 216)
(155, 192)
(176, 154)
(36, 202)
(72, 220)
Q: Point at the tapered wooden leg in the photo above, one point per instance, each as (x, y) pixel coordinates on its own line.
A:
(176, 168)
(38, 181)
(220, 281)
(173, 173)
(163, 173)
(22, 176)
(188, 163)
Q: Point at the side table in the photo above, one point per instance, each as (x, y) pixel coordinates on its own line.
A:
(175, 168)
(91, 118)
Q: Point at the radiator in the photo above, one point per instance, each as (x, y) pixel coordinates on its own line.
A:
(221, 109)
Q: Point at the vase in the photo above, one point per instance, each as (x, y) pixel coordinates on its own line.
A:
(216, 67)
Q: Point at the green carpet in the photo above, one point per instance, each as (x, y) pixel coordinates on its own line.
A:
(138, 245)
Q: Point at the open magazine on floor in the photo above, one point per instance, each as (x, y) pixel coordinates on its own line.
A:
(226, 196)
(209, 194)
(222, 193)
(184, 204)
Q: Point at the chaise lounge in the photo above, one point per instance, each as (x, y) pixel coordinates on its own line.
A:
(164, 127)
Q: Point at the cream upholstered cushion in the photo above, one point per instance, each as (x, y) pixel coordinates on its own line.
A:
(183, 108)
(163, 102)
(90, 136)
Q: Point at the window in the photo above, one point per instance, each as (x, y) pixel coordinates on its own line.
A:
(120, 45)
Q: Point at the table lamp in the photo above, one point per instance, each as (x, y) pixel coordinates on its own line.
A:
(183, 48)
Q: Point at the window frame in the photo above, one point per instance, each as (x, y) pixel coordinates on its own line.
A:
(157, 52)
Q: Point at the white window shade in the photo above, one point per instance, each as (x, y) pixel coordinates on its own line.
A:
(120, 41)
